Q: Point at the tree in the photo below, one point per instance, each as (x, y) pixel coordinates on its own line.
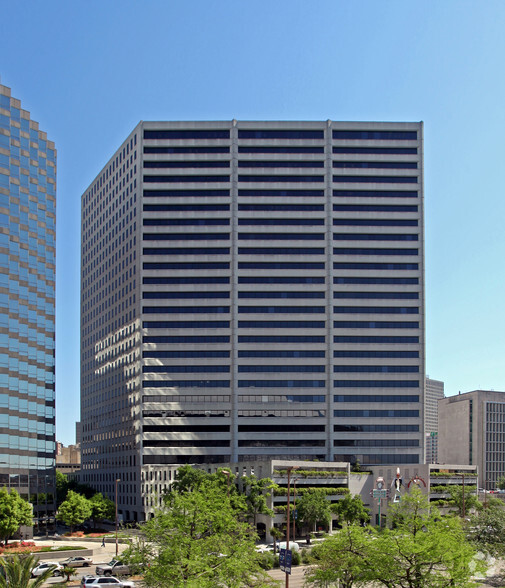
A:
(69, 571)
(501, 483)
(486, 530)
(14, 512)
(468, 501)
(256, 494)
(424, 549)
(312, 508)
(61, 487)
(74, 510)
(350, 510)
(342, 560)
(102, 508)
(277, 534)
(198, 539)
(17, 571)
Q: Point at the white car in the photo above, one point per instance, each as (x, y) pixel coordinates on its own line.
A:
(43, 566)
(94, 581)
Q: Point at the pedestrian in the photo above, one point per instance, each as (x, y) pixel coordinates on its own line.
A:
(103, 541)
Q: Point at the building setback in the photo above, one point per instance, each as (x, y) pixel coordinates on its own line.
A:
(251, 290)
(27, 283)
(472, 431)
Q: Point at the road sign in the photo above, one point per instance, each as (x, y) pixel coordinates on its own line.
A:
(282, 559)
(380, 493)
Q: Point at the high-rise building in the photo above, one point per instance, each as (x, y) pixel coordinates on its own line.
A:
(472, 431)
(251, 290)
(434, 391)
(27, 282)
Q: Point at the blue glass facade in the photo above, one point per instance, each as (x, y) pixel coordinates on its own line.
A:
(27, 307)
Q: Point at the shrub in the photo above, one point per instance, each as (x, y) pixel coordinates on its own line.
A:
(267, 560)
(296, 558)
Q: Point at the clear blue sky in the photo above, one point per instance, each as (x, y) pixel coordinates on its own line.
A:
(88, 71)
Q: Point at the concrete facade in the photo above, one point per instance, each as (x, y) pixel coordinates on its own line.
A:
(251, 290)
(27, 307)
(472, 431)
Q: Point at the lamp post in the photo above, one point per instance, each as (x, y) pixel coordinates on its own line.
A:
(289, 470)
(295, 480)
(117, 550)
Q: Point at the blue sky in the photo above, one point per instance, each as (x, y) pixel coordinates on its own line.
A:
(88, 71)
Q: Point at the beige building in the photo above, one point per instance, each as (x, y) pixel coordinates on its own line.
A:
(433, 392)
(472, 431)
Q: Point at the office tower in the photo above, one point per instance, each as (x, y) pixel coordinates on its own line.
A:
(27, 282)
(472, 431)
(434, 391)
(252, 290)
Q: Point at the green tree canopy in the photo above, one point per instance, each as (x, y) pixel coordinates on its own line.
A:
(14, 512)
(200, 540)
(74, 510)
(464, 500)
(486, 529)
(424, 548)
(342, 560)
(350, 510)
(256, 494)
(102, 508)
(312, 508)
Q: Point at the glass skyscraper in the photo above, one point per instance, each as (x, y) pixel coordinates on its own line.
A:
(27, 307)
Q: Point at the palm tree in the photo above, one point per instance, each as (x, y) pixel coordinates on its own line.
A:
(17, 571)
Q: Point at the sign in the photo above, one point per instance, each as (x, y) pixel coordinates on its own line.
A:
(380, 493)
(285, 558)
(287, 564)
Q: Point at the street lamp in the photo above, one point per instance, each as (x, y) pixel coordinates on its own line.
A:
(117, 550)
(289, 470)
(295, 480)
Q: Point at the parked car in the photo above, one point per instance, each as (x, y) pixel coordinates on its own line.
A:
(92, 581)
(78, 561)
(43, 566)
(113, 568)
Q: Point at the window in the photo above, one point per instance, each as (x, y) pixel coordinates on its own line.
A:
(384, 369)
(281, 383)
(281, 163)
(377, 266)
(287, 295)
(181, 207)
(186, 339)
(413, 354)
(376, 309)
(283, 179)
(279, 149)
(176, 369)
(185, 179)
(281, 221)
(185, 384)
(349, 280)
(376, 428)
(186, 324)
(376, 384)
(280, 339)
(164, 353)
(376, 251)
(187, 134)
(375, 164)
(376, 135)
(375, 237)
(184, 295)
(179, 164)
(377, 295)
(281, 324)
(186, 266)
(161, 222)
(282, 193)
(184, 193)
(184, 280)
(279, 265)
(382, 150)
(186, 236)
(375, 193)
(376, 179)
(277, 369)
(281, 250)
(282, 207)
(280, 134)
(282, 309)
(375, 324)
(186, 309)
(376, 414)
(186, 149)
(354, 222)
(186, 250)
(370, 339)
(280, 353)
(280, 280)
(375, 207)
(282, 236)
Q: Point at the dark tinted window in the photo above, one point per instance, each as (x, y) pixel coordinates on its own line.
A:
(376, 135)
(376, 179)
(261, 163)
(280, 134)
(283, 179)
(375, 193)
(375, 164)
(376, 207)
(185, 207)
(184, 193)
(186, 149)
(385, 150)
(281, 193)
(187, 134)
(179, 164)
(282, 207)
(185, 179)
(278, 149)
